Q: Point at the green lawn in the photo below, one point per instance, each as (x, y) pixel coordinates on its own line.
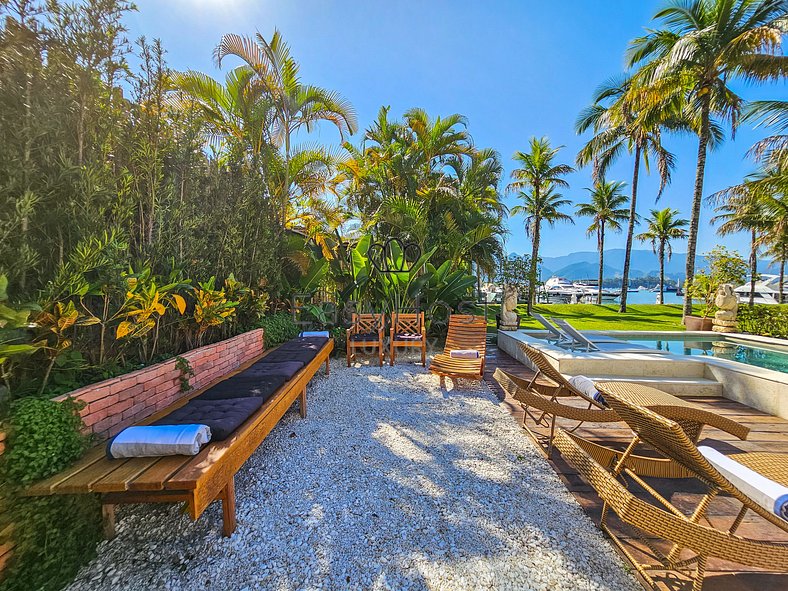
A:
(604, 317)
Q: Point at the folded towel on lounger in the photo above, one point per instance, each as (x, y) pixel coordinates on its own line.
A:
(159, 440)
(314, 333)
(587, 387)
(464, 354)
(769, 494)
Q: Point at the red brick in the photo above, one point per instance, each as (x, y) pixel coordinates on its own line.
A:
(94, 394)
(131, 392)
(121, 406)
(102, 403)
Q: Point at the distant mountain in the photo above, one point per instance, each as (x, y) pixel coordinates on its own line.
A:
(585, 265)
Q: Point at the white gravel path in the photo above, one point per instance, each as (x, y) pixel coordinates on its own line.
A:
(390, 483)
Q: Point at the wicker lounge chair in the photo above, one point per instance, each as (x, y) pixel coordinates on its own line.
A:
(408, 330)
(661, 518)
(549, 401)
(466, 332)
(365, 332)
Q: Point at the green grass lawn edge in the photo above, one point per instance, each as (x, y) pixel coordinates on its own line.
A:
(638, 317)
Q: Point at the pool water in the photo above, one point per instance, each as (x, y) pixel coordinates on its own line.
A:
(722, 348)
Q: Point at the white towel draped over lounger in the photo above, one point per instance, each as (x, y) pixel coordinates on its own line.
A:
(159, 440)
(769, 494)
(586, 386)
(464, 354)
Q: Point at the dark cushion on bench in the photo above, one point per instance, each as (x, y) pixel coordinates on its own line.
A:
(365, 336)
(222, 416)
(281, 368)
(279, 355)
(244, 386)
(309, 343)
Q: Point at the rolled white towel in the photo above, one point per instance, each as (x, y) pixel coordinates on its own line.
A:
(159, 440)
(464, 354)
(314, 333)
(769, 494)
(587, 387)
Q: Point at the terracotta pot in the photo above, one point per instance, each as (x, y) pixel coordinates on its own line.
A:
(697, 323)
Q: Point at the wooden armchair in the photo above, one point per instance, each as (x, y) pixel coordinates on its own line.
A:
(408, 330)
(365, 332)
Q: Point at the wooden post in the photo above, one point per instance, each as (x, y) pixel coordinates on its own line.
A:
(302, 403)
(228, 508)
(108, 521)
(328, 365)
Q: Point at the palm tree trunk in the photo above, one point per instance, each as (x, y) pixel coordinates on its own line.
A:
(532, 271)
(661, 271)
(601, 246)
(697, 197)
(753, 266)
(630, 231)
(781, 283)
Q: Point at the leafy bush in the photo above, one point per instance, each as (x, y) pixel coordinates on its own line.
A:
(44, 437)
(53, 536)
(769, 321)
(279, 328)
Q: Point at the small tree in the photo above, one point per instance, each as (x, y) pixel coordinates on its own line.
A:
(724, 267)
(515, 271)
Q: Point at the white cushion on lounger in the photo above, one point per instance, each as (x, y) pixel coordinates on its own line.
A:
(769, 494)
(159, 440)
(464, 354)
(586, 386)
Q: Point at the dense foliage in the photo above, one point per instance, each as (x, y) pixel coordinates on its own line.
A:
(770, 321)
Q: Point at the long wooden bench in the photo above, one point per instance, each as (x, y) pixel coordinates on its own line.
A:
(196, 480)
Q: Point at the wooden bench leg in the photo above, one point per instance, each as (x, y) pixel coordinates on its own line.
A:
(302, 403)
(108, 521)
(228, 508)
(328, 366)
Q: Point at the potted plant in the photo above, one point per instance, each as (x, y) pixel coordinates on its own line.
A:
(724, 267)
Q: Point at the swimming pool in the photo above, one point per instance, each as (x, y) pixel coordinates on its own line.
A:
(720, 347)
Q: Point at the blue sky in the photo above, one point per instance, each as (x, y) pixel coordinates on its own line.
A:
(516, 69)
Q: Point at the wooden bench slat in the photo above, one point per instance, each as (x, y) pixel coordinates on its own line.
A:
(82, 481)
(154, 477)
(118, 480)
(49, 486)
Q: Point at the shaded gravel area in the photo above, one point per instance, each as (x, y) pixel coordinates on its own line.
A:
(390, 483)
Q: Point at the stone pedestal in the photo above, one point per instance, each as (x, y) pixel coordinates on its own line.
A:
(724, 325)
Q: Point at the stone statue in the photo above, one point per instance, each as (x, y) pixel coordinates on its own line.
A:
(727, 307)
(509, 319)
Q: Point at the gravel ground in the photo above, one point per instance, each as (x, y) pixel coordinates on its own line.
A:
(390, 483)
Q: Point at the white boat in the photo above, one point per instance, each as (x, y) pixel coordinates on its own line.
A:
(559, 290)
(766, 291)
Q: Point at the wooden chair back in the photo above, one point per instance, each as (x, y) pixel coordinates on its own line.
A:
(364, 323)
(466, 332)
(407, 323)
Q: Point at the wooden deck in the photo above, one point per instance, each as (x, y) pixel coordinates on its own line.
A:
(767, 433)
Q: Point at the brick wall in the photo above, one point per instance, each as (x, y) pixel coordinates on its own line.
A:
(114, 404)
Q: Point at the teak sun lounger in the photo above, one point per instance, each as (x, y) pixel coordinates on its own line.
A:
(365, 332)
(661, 518)
(548, 400)
(408, 330)
(195, 480)
(466, 332)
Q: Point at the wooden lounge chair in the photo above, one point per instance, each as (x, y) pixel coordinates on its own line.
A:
(408, 330)
(365, 332)
(466, 332)
(660, 518)
(551, 402)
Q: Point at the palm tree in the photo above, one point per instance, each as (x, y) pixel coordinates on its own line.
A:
(778, 251)
(741, 209)
(535, 182)
(620, 126)
(663, 226)
(701, 46)
(295, 105)
(607, 209)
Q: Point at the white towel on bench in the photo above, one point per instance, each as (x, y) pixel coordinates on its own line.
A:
(314, 333)
(769, 494)
(586, 386)
(159, 440)
(464, 354)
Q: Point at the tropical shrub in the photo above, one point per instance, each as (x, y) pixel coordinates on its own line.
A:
(724, 267)
(279, 327)
(770, 321)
